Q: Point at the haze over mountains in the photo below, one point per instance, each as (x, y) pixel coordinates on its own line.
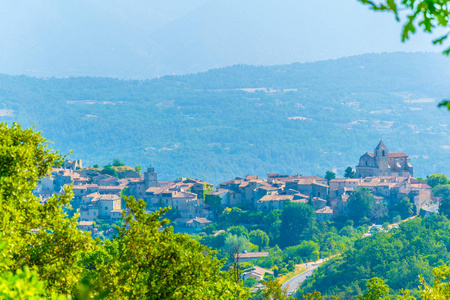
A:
(145, 39)
(298, 118)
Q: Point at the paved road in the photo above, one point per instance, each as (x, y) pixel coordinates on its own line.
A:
(293, 283)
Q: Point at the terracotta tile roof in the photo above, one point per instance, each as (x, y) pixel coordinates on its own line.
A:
(421, 185)
(93, 195)
(397, 154)
(325, 210)
(300, 195)
(117, 188)
(305, 181)
(276, 198)
(184, 195)
(243, 184)
(220, 191)
(268, 188)
(311, 177)
(86, 223)
(253, 254)
(201, 221)
(79, 187)
(258, 271)
(109, 197)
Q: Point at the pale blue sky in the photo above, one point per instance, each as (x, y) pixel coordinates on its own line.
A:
(144, 39)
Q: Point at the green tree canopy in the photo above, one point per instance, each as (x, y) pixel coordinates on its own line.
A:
(39, 236)
(330, 175)
(296, 223)
(430, 15)
(349, 173)
(437, 179)
(259, 238)
(238, 231)
(360, 204)
(109, 171)
(142, 262)
(117, 163)
(406, 208)
(444, 206)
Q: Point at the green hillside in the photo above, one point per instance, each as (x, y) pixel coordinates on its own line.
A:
(298, 118)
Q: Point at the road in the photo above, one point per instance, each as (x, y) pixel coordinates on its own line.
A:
(293, 283)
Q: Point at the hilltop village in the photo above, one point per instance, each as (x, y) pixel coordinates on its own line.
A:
(388, 176)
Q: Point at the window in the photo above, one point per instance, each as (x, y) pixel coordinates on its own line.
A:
(382, 153)
(106, 208)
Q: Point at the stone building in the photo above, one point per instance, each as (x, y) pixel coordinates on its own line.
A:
(383, 163)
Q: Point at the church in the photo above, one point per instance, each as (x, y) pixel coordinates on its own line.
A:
(383, 163)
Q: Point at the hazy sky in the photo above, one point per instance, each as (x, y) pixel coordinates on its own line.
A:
(144, 39)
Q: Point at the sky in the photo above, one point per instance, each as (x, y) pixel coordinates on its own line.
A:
(139, 39)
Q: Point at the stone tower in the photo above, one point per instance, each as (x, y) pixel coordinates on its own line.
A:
(150, 178)
(381, 154)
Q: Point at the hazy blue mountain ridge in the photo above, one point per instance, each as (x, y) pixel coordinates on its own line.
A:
(302, 118)
(145, 39)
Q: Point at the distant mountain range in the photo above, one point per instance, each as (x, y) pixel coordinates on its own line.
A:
(298, 118)
(146, 39)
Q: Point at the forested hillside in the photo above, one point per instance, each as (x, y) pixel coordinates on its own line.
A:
(298, 118)
(398, 257)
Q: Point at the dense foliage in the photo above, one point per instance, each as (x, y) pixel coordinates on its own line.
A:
(43, 254)
(397, 256)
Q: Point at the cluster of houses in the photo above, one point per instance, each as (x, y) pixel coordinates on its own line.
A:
(98, 196)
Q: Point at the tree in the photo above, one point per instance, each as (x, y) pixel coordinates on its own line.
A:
(317, 296)
(330, 175)
(236, 244)
(296, 222)
(360, 204)
(405, 207)
(444, 207)
(441, 191)
(441, 286)
(349, 173)
(376, 290)
(39, 236)
(117, 163)
(431, 15)
(138, 169)
(144, 262)
(379, 211)
(273, 222)
(428, 14)
(216, 202)
(109, 171)
(141, 262)
(250, 282)
(437, 179)
(231, 216)
(274, 290)
(238, 231)
(259, 238)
